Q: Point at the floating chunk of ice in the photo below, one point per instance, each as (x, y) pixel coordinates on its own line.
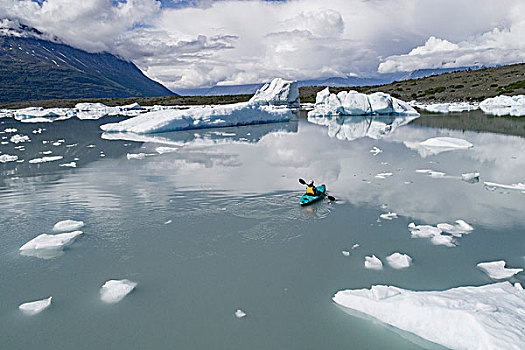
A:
(399, 261)
(270, 104)
(19, 138)
(47, 246)
(504, 105)
(388, 216)
(10, 130)
(448, 107)
(496, 269)
(486, 317)
(162, 150)
(45, 159)
(70, 165)
(345, 253)
(437, 145)
(375, 151)
(434, 233)
(4, 158)
(137, 155)
(519, 186)
(457, 230)
(470, 177)
(168, 222)
(373, 263)
(114, 291)
(67, 225)
(35, 307)
(239, 313)
(355, 103)
(355, 246)
(383, 175)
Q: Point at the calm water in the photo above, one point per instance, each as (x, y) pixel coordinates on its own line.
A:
(237, 237)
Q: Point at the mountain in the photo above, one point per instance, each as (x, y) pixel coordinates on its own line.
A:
(35, 66)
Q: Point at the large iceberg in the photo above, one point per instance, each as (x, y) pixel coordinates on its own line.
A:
(355, 103)
(485, 317)
(504, 105)
(271, 103)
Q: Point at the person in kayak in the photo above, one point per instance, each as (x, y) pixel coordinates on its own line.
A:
(311, 190)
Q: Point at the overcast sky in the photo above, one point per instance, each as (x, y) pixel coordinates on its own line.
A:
(200, 43)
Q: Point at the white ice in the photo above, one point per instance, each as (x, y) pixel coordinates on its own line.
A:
(457, 230)
(373, 263)
(4, 158)
(477, 318)
(47, 246)
(375, 151)
(137, 155)
(45, 159)
(388, 216)
(67, 225)
(35, 307)
(504, 105)
(470, 177)
(448, 107)
(383, 175)
(519, 186)
(345, 252)
(260, 109)
(399, 261)
(114, 291)
(355, 246)
(434, 233)
(19, 138)
(497, 270)
(436, 145)
(70, 165)
(239, 313)
(355, 103)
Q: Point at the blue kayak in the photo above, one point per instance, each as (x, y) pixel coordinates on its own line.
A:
(305, 199)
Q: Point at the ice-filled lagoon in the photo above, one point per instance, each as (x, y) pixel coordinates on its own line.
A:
(207, 223)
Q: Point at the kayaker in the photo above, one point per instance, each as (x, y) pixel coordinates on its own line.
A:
(311, 190)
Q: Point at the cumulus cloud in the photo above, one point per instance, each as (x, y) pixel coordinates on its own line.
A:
(196, 43)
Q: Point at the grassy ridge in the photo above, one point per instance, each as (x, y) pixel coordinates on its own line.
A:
(474, 85)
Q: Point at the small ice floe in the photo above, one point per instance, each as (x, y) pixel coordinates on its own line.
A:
(375, 151)
(497, 270)
(457, 230)
(519, 186)
(162, 150)
(114, 291)
(388, 216)
(37, 131)
(434, 233)
(70, 165)
(373, 263)
(48, 246)
(355, 246)
(431, 173)
(470, 177)
(168, 222)
(345, 253)
(504, 105)
(19, 138)
(10, 130)
(448, 107)
(67, 225)
(45, 159)
(72, 145)
(46, 152)
(35, 307)
(4, 158)
(137, 155)
(485, 317)
(239, 313)
(399, 261)
(383, 175)
(437, 145)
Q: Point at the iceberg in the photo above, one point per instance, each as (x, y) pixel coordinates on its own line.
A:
(448, 107)
(35, 307)
(114, 291)
(436, 145)
(470, 177)
(355, 103)
(457, 230)
(373, 263)
(399, 261)
(497, 270)
(4, 158)
(272, 103)
(67, 225)
(47, 246)
(239, 313)
(434, 233)
(485, 317)
(504, 105)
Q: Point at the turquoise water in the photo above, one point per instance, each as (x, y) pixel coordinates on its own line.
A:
(238, 238)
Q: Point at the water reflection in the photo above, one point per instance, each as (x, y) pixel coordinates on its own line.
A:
(355, 127)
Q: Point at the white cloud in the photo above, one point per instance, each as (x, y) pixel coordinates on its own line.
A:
(238, 42)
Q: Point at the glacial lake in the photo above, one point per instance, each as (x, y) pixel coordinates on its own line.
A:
(210, 223)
